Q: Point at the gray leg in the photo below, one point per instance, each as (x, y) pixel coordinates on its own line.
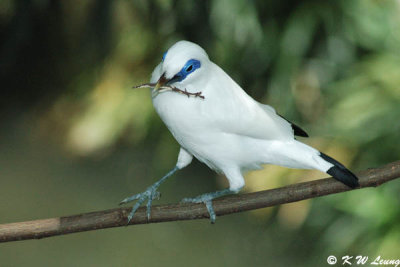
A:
(150, 194)
(207, 200)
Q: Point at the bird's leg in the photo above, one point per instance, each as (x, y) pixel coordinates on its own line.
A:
(150, 193)
(207, 200)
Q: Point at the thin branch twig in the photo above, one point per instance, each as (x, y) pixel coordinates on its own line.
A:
(170, 88)
(173, 212)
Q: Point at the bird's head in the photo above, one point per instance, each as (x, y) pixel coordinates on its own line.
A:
(182, 64)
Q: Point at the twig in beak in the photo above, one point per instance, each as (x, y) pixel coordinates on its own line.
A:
(169, 88)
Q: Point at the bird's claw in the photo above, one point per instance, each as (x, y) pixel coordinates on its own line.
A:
(207, 200)
(150, 194)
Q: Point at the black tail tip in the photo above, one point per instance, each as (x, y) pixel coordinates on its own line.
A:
(344, 176)
(341, 173)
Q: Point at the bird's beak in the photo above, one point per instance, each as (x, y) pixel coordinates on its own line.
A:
(161, 82)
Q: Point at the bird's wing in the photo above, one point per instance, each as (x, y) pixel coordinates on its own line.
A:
(259, 121)
(236, 112)
(296, 129)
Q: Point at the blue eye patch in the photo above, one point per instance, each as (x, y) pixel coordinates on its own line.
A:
(190, 66)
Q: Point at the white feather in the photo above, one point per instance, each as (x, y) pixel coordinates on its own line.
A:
(228, 130)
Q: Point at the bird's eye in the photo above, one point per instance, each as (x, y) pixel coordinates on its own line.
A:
(189, 68)
(164, 55)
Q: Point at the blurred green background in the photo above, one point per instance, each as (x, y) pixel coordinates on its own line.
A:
(75, 138)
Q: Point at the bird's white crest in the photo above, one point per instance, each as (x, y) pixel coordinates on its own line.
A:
(181, 52)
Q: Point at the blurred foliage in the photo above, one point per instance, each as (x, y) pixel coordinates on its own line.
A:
(76, 138)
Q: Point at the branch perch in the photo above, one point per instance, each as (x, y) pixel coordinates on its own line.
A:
(173, 212)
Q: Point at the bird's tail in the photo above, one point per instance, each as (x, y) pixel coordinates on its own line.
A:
(340, 172)
(301, 156)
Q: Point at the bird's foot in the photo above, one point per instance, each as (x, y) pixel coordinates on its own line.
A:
(150, 194)
(207, 200)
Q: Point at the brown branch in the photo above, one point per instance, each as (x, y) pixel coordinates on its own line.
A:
(174, 212)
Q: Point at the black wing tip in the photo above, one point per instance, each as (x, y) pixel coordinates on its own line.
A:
(298, 131)
(341, 173)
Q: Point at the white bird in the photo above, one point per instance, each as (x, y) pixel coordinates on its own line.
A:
(226, 129)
